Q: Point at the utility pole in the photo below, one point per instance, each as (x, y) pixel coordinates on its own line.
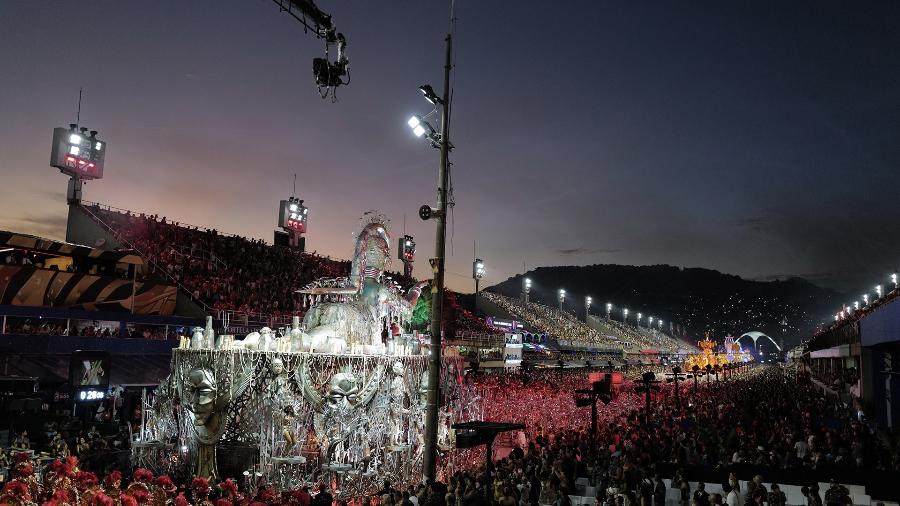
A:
(429, 466)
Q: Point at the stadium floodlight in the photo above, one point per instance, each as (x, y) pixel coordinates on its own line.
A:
(894, 280)
(421, 128)
(526, 289)
(865, 299)
(855, 305)
(659, 322)
(562, 297)
(638, 320)
(478, 268)
(430, 95)
(650, 321)
(877, 291)
(624, 314)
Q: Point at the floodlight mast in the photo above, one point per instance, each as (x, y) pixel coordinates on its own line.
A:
(429, 466)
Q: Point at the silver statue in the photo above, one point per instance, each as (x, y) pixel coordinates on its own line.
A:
(336, 413)
(206, 401)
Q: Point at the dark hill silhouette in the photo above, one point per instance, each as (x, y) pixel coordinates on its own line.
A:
(700, 300)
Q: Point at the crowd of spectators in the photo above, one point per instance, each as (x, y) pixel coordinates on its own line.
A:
(763, 417)
(222, 271)
(568, 330)
(88, 328)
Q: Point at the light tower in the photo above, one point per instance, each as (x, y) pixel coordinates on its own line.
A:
(79, 154)
(293, 218)
(441, 141)
(587, 307)
(609, 307)
(650, 322)
(637, 320)
(526, 289)
(562, 298)
(625, 315)
(878, 291)
(477, 274)
(406, 251)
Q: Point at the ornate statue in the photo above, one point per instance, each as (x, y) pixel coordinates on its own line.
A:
(348, 311)
(399, 402)
(336, 412)
(279, 397)
(206, 401)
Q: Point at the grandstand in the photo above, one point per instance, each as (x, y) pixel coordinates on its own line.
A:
(222, 273)
(572, 333)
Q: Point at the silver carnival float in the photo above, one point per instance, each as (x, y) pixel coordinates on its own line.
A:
(332, 401)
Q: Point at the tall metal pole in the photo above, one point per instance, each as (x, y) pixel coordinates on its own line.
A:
(429, 466)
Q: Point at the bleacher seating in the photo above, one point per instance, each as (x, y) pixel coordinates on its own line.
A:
(567, 328)
(221, 271)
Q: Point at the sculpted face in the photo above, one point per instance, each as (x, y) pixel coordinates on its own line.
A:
(376, 253)
(343, 391)
(200, 395)
(277, 366)
(398, 368)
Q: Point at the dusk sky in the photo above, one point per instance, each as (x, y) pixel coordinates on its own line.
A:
(757, 138)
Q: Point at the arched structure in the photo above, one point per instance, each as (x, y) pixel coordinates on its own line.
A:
(755, 335)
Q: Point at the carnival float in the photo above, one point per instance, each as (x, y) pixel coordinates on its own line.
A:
(711, 354)
(331, 401)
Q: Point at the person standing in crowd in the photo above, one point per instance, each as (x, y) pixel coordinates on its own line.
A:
(776, 496)
(659, 492)
(701, 497)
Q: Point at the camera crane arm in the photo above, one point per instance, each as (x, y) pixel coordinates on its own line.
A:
(328, 75)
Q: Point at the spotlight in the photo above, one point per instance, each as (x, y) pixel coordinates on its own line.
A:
(420, 128)
(430, 95)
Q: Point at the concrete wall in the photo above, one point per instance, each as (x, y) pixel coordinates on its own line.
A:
(82, 229)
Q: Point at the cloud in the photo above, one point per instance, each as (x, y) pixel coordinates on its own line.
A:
(581, 250)
(51, 226)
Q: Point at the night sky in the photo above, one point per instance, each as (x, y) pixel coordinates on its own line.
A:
(760, 139)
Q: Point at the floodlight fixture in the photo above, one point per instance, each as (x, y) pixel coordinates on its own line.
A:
(478, 269)
(421, 127)
(430, 95)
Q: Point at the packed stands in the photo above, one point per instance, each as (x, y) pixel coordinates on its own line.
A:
(221, 271)
(570, 331)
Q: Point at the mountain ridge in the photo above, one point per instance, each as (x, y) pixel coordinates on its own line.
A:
(695, 300)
